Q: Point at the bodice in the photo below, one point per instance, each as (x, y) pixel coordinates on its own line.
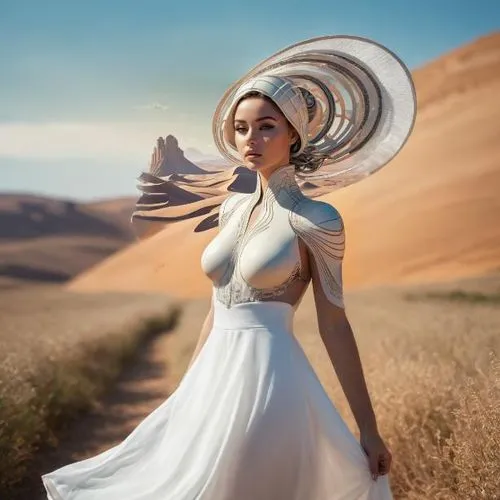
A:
(260, 260)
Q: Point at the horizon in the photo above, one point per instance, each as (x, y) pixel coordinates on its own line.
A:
(89, 88)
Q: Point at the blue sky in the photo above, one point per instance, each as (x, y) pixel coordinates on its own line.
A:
(87, 87)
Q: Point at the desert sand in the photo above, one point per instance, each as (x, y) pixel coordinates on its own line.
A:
(432, 214)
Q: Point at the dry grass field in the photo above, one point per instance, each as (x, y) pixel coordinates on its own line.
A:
(58, 352)
(431, 360)
(430, 355)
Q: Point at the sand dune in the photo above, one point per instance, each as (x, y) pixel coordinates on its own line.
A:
(432, 214)
(174, 189)
(167, 261)
(119, 208)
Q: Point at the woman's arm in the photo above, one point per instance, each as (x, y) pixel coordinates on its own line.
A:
(205, 331)
(338, 337)
(320, 226)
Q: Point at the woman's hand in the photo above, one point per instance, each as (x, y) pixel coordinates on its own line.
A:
(379, 456)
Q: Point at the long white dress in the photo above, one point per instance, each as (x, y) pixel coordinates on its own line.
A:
(250, 420)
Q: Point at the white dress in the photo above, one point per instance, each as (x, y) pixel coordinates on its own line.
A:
(250, 420)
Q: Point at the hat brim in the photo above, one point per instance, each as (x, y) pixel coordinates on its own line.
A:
(371, 103)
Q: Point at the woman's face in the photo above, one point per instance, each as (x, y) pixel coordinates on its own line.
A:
(261, 128)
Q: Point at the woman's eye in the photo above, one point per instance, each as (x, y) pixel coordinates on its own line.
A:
(242, 129)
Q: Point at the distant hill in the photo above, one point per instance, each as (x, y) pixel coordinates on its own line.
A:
(47, 239)
(29, 216)
(118, 210)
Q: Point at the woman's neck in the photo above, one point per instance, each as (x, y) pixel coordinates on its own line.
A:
(265, 177)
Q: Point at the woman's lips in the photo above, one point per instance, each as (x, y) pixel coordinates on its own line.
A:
(252, 155)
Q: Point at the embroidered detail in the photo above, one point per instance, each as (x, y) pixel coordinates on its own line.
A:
(321, 228)
(316, 223)
(226, 211)
(282, 189)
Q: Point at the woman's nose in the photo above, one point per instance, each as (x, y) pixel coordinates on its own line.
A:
(251, 139)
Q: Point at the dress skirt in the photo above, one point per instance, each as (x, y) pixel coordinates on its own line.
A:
(250, 420)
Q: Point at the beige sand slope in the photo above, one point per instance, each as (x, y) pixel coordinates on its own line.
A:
(432, 214)
(166, 262)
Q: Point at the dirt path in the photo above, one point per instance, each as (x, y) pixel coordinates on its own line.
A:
(149, 379)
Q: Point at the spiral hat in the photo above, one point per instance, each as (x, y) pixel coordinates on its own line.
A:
(351, 100)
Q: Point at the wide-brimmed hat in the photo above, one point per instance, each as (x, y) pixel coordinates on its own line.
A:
(351, 100)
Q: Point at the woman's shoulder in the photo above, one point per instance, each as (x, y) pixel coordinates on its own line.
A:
(313, 214)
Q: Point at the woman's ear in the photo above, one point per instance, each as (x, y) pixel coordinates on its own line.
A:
(294, 136)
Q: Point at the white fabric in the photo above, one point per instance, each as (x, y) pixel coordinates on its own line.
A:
(263, 261)
(249, 421)
(284, 94)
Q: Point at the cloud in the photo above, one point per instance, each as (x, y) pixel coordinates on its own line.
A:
(74, 140)
(156, 106)
(130, 141)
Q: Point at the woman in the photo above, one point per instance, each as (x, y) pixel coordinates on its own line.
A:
(250, 419)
